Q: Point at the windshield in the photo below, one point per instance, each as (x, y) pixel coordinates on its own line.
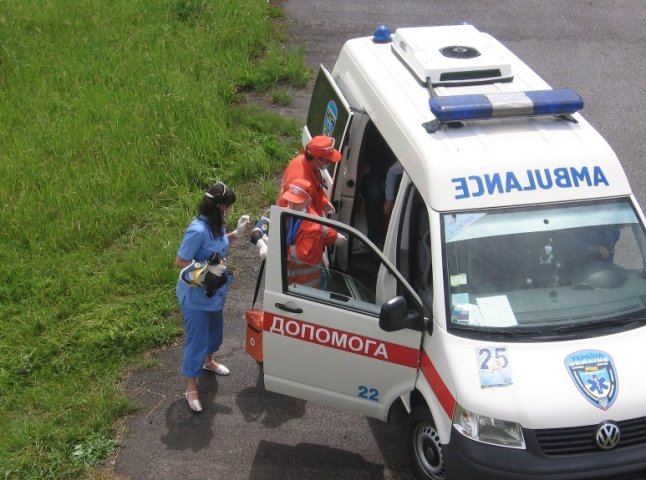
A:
(545, 270)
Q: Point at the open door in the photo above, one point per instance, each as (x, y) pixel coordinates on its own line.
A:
(322, 339)
(329, 114)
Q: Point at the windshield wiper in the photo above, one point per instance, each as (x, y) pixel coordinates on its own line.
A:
(498, 331)
(592, 324)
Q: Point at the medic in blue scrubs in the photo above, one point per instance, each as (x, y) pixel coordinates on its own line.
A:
(203, 313)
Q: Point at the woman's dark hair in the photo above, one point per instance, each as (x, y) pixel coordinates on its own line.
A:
(212, 206)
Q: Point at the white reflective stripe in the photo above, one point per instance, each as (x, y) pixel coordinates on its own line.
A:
(302, 269)
(304, 274)
(293, 255)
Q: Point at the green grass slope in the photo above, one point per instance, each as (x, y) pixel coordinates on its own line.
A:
(114, 116)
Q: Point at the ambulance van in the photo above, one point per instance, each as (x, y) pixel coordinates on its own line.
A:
(503, 300)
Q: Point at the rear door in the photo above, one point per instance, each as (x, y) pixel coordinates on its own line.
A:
(325, 344)
(329, 114)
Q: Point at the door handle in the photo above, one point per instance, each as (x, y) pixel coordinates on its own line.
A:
(282, 306)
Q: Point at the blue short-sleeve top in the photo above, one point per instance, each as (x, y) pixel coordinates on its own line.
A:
(199, 243)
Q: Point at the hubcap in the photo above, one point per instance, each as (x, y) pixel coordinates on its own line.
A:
(428, 451)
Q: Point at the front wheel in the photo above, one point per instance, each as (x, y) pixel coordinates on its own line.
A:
(426, 446)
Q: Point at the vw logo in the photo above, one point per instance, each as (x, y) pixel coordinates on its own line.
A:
(607, 435)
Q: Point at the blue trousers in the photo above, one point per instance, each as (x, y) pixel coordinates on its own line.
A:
(204, 332)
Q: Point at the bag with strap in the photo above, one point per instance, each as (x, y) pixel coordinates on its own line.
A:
(254, 318)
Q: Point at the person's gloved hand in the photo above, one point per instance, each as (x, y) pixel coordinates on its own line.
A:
(340, 240)
(262, 247)
(242, 225)
(260, 230)
(329, 209)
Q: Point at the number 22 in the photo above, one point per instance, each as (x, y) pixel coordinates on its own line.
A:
(368, 393)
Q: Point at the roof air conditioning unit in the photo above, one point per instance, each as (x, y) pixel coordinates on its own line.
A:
(452, 55)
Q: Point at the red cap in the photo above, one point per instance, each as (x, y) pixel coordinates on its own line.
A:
(299, 191)
(323, 146)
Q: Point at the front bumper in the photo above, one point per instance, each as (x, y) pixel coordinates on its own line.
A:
(467, 459)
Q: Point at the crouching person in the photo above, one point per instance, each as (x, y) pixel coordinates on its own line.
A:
(306, 241)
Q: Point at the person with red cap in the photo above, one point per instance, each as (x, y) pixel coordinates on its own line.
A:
(318, 155)
(306, 241)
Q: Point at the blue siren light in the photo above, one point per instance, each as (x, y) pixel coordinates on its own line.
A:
(382, 34)
(561, 101)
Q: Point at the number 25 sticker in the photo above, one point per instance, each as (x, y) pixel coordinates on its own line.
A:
(494, 366)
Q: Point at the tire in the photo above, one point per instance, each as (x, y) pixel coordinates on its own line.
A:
(425, 445)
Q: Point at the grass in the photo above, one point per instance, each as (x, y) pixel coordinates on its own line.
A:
(280, 97)
(114, 117)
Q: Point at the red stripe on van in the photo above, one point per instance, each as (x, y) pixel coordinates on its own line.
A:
(341, 340)
(437, 384)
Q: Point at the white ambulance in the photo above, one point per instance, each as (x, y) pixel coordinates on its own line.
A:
(503, 301)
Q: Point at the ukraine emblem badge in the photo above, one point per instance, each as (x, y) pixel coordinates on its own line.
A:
(593, 372)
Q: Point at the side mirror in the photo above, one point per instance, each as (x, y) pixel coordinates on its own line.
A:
(394, 315)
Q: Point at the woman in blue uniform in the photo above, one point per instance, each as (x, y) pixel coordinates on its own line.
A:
(203, 309)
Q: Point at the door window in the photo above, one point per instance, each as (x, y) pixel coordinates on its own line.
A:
(311, 270)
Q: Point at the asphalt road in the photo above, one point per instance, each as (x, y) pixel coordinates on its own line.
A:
(245, 431)
(595, 47)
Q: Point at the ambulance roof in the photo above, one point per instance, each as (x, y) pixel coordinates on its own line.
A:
(485, 163)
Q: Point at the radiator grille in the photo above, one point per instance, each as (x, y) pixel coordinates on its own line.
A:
(571, 441)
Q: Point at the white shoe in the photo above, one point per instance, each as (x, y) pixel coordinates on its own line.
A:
(219, 370)
(194, 405)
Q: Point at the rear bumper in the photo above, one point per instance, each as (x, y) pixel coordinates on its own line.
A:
(465, 458)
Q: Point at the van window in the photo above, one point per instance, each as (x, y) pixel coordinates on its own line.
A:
(567, 269)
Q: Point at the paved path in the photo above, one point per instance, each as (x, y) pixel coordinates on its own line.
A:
(245, 431)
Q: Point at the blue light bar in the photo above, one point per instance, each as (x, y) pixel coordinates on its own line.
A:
(562, 101)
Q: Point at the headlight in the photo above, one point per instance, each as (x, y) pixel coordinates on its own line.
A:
(488, 430)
